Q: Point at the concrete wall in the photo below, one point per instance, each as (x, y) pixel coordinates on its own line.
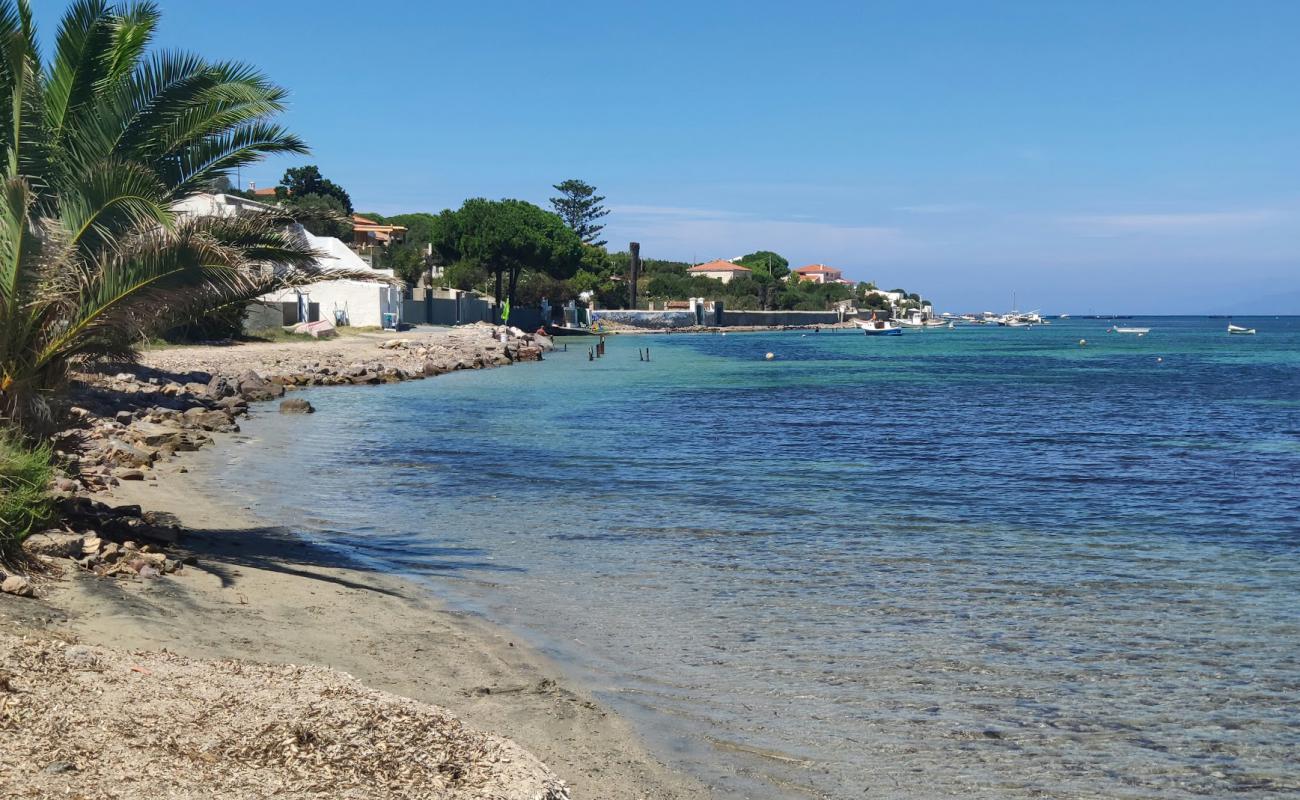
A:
(646, 319)
(356, 303)
(774, 318)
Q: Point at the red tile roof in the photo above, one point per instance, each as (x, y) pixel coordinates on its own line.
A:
(813, 269)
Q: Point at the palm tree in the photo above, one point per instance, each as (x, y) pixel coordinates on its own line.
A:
(97, 148)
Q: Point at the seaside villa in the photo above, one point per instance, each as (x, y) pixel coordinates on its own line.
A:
(724, 271)
(820, 273)
(356, 303)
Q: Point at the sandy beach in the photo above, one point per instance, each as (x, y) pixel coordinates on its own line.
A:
(262, 594)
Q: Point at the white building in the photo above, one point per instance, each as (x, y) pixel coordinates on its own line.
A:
(344, 302)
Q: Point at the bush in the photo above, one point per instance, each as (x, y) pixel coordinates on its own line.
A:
(24, 503)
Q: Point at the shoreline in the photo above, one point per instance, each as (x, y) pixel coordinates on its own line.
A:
(260, 593)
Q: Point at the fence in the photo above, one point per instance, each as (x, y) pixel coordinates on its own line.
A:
(462, 310)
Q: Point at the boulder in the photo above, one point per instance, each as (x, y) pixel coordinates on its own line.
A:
(221, 421)
(17, 585)
(220, 386)
(54, 543)
(296, 405)
(529, 353)
(153, 434)
(127, 455)
(128, 474)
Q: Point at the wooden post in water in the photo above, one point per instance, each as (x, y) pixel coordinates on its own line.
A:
(635, 249)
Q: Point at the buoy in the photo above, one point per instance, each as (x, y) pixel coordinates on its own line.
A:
(770, 356)
(1159, 360)
(1083, 342)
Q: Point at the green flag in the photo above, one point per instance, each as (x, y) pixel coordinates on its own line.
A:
(505, 312)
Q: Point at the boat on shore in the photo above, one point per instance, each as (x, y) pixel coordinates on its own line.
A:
(1239, 330)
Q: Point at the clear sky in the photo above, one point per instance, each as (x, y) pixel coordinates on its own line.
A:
(1116, 156)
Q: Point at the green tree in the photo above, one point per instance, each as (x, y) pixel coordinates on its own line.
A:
(579, 206)
(100, 145)
(322, 214)
(466, 276)
(301, 181)
(766, 262)
(506, 237)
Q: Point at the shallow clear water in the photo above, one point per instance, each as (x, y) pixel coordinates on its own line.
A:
(983, 562)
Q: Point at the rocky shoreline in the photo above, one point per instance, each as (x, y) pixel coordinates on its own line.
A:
(132, 419)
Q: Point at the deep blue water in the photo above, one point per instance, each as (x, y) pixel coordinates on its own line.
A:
(983, 562)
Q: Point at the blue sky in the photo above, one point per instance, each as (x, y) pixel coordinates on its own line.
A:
(1115, 156)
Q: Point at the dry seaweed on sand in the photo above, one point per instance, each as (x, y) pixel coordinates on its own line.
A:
(96, 723)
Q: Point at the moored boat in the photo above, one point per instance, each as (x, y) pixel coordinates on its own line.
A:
(878, 327)
(1240, 330)
(565, 330)
(1138, 331)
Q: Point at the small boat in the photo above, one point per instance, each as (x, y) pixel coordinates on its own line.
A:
(1240, 331)
(878, 327)
(566, 330)
(1138, 331)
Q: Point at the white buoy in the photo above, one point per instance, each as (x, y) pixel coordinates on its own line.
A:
(770, 356)
(1159, 360)
(1083, 342)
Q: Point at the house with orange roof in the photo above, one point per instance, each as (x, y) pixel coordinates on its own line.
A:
(724, 271)
(367, 232)
(820, 273)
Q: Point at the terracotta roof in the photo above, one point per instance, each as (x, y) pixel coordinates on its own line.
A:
(812, 269)
(719, 266)
(265, 191)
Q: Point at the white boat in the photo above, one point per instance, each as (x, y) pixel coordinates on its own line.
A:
(1138, 331)
(1240, 331)
(878, 327)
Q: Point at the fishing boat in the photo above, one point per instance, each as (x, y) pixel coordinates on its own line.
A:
(1138, 331)
(1240, 331)
(878, 327)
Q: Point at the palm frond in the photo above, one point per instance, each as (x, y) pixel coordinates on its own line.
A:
(111, 197)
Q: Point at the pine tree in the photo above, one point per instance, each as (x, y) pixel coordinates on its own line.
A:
(580, 207)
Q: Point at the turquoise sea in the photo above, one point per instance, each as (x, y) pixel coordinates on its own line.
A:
(981, 562)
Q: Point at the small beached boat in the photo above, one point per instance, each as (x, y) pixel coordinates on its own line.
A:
(1240, 331)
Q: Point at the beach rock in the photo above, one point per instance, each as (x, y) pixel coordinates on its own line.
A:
(124, 417)
(119, 452)
(296, 405)
(54, 543)
(219, 421)
(153, 434)
(128, 474)
(220, 386)
(62, 484)
(529, 353)
(254, 387)
(17, 585)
